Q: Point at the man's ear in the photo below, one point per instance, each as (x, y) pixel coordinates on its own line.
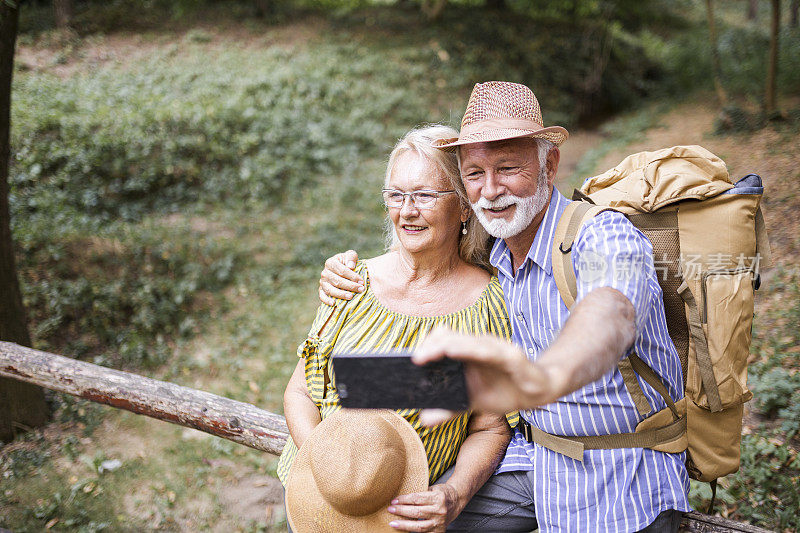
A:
(553, 157)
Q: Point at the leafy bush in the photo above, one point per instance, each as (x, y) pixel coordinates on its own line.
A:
(101, 159)
(576, 66)
(685, 59)
(766, 489)
(777, 395)
(255, 126)
(120, 300)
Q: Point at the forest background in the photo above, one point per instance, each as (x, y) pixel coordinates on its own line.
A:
(180, 169)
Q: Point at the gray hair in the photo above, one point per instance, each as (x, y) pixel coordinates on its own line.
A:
(472, 247)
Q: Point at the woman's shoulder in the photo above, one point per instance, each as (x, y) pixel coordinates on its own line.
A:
(478, 274)
(375, 266)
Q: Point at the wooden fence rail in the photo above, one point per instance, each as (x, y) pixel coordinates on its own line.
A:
(236, 421)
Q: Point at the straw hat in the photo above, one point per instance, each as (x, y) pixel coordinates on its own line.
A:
(500, 110)
(349, 470)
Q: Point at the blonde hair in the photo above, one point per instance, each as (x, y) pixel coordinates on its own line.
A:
(472, 247)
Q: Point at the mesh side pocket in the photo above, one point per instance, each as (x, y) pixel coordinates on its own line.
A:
(662, 231)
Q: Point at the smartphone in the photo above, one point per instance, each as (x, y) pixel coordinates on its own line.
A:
(390, 380)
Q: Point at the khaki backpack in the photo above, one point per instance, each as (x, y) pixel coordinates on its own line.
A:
(709, 241)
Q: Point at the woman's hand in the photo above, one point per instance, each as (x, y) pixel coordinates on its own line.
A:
(338, 278)
(431, 510)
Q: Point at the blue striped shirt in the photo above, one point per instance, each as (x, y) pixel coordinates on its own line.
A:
(610, 490)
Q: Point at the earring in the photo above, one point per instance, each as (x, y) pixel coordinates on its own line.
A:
(463, 228)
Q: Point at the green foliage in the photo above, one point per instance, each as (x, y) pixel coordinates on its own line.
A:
(98, 168)
(778, 396)
(576, 67)
(685, 59)
(19, 462)
(767, 487)
(74, 504)
(247, 127)
(775, 378)
(118, 295)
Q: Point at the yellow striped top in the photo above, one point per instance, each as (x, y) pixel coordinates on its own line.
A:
(364, 324)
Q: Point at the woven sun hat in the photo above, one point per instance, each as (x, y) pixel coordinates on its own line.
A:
(350, 468)
(500, 110)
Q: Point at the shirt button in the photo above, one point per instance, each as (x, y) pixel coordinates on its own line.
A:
(520, 317)
(530, 350)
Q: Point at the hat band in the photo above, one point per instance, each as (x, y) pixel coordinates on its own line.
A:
(499, 123)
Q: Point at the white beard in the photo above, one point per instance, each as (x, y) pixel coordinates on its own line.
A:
(526, 211)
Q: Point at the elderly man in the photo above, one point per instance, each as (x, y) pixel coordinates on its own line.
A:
(562, 370)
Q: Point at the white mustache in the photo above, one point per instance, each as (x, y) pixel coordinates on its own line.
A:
(498, 203)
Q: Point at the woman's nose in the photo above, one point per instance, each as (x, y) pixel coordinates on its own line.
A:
(408, 209)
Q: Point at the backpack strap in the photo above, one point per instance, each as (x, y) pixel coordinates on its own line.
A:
(653, 438)
(572, 220)
(634, 389)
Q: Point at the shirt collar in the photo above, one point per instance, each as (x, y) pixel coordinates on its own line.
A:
(541, 249)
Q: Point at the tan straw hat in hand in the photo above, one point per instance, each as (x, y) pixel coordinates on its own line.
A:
(349, 470)
(500, 110)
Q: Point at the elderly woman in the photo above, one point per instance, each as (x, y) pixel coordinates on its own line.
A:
(435, 273)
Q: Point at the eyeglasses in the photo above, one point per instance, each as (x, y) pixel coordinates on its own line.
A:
(424, 199)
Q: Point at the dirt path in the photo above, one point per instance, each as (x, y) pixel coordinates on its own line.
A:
(573, 150)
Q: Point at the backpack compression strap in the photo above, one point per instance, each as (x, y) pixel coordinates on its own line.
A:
(762, 242)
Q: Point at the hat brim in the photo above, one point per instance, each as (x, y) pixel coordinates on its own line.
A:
(306, 508)
(554, 134)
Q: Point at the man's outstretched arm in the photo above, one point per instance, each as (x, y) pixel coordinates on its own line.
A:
(500, 379)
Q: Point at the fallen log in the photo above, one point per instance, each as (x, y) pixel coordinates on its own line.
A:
(695, 522)
(236, 421)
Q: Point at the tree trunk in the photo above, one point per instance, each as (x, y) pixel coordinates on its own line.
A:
(770, 94)
(433, 9)
(795, 7)
(263, 8)
(63, 11)
(715, 64)
(752, 10)
(21, 405)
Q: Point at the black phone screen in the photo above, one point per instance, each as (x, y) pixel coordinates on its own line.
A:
(392, 381)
